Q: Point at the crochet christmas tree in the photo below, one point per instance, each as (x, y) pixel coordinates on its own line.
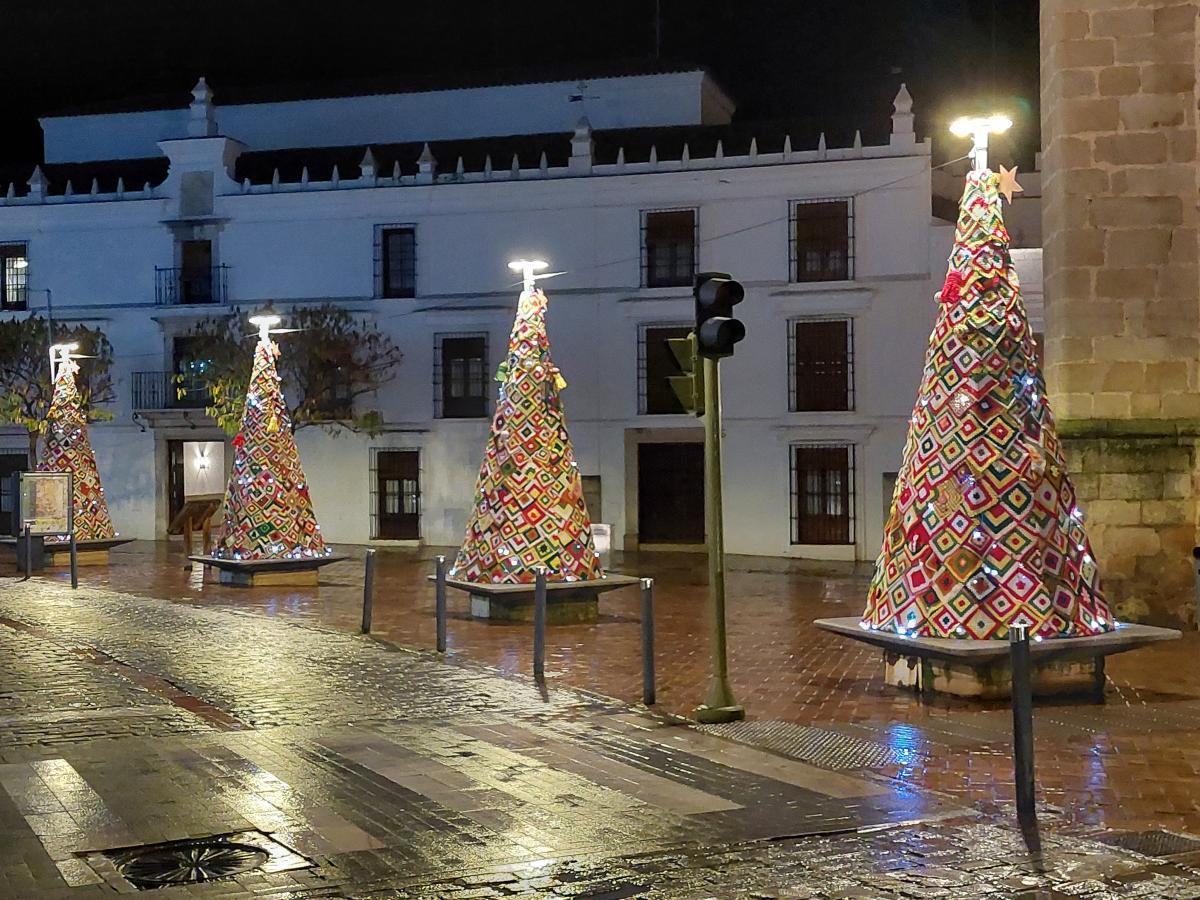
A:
(67, 449)
(529, 507)
(268, 514)
(984, 531)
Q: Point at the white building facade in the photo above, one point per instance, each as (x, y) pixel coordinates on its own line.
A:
(405, 208)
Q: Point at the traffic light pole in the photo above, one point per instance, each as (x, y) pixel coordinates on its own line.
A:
(719, 705)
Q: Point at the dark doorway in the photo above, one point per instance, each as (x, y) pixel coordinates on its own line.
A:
(10, 464)
(398, 495)
(196, 270)
(174, 479)
(671, 493)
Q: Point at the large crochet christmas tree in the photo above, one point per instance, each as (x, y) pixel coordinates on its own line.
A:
(268, 514)
(984, 531)
(67, 449)
(529, 507)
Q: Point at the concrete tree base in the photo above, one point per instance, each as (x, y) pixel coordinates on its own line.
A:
(87, 553)
(567, 602)
(981, 669)
(268, 572)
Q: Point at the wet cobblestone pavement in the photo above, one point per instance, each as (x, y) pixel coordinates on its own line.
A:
(1131, 763)
(126, 721)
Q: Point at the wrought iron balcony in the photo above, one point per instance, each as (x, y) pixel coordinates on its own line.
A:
(177, 287)
(168, 390)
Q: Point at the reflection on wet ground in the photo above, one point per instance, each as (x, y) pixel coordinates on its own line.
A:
(1131, 762)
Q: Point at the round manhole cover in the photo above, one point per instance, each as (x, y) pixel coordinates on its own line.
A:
(190, 863)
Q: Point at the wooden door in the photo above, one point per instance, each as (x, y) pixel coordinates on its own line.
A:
(671, 493)
(174, 479)
(398, 494)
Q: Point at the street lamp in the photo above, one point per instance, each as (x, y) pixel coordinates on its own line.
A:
(978, 128)
(528, 269)
(265, 319)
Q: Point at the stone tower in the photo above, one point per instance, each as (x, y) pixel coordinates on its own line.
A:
(1122, 287)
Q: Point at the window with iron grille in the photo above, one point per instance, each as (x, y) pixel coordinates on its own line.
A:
(14, 290)
(821, 239)
(396, 261)
(668, 247)
(656, 363)
(461, 387)
(395, 494)
(822, 493)
(821, 360)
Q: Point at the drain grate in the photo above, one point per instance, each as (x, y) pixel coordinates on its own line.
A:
(189, 863)
(197, 860)
(1151, 843)
(828, 749)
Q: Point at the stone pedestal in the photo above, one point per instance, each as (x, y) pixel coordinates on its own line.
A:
(567, 603)
(87, 553)
(268, 572)
(1082, 677)
(981, 669)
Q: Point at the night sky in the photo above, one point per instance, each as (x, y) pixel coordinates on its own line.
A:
(836, 63)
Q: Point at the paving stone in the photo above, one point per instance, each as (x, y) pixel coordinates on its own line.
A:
(399, 775)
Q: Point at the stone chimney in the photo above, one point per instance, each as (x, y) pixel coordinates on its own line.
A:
(902, 120)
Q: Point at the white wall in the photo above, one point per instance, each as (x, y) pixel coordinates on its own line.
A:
(306, 246)
(203, 468)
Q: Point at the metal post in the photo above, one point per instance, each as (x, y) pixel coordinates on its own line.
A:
(368, 591)
(648, 641)
(1196, 569)
(719, 705)
(1022, 704)
(28, 553)
(74, 562)
(440, 594)
(539, 624)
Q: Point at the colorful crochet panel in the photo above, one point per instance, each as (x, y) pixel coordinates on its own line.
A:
(529, 507)
(268, 514)
(67, 449)
(984, 531)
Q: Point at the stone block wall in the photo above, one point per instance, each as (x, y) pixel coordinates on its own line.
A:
(1138, 494)
(1121, 228)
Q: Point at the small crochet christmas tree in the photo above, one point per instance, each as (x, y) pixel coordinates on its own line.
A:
(67, 449)
(268, 514)
(984, 531)
(529, 507)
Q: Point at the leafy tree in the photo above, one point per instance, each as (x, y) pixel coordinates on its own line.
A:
(327, 365)
(25, 386)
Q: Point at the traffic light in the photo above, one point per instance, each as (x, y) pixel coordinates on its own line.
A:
(716, 293)
(689, 384)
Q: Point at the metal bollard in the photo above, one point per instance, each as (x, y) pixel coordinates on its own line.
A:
(1022, 704)
(1196, 569)
(28, 554)
(539, 624)
(74, 563)
(368, 591)
(440, 595)
(648, 641)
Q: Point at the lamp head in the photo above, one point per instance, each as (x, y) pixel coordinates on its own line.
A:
(63, 349)
(266, 317)
(533, 265)
(967, 126)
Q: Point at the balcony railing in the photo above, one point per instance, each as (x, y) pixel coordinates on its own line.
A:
(176, 287)
(166, 390)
